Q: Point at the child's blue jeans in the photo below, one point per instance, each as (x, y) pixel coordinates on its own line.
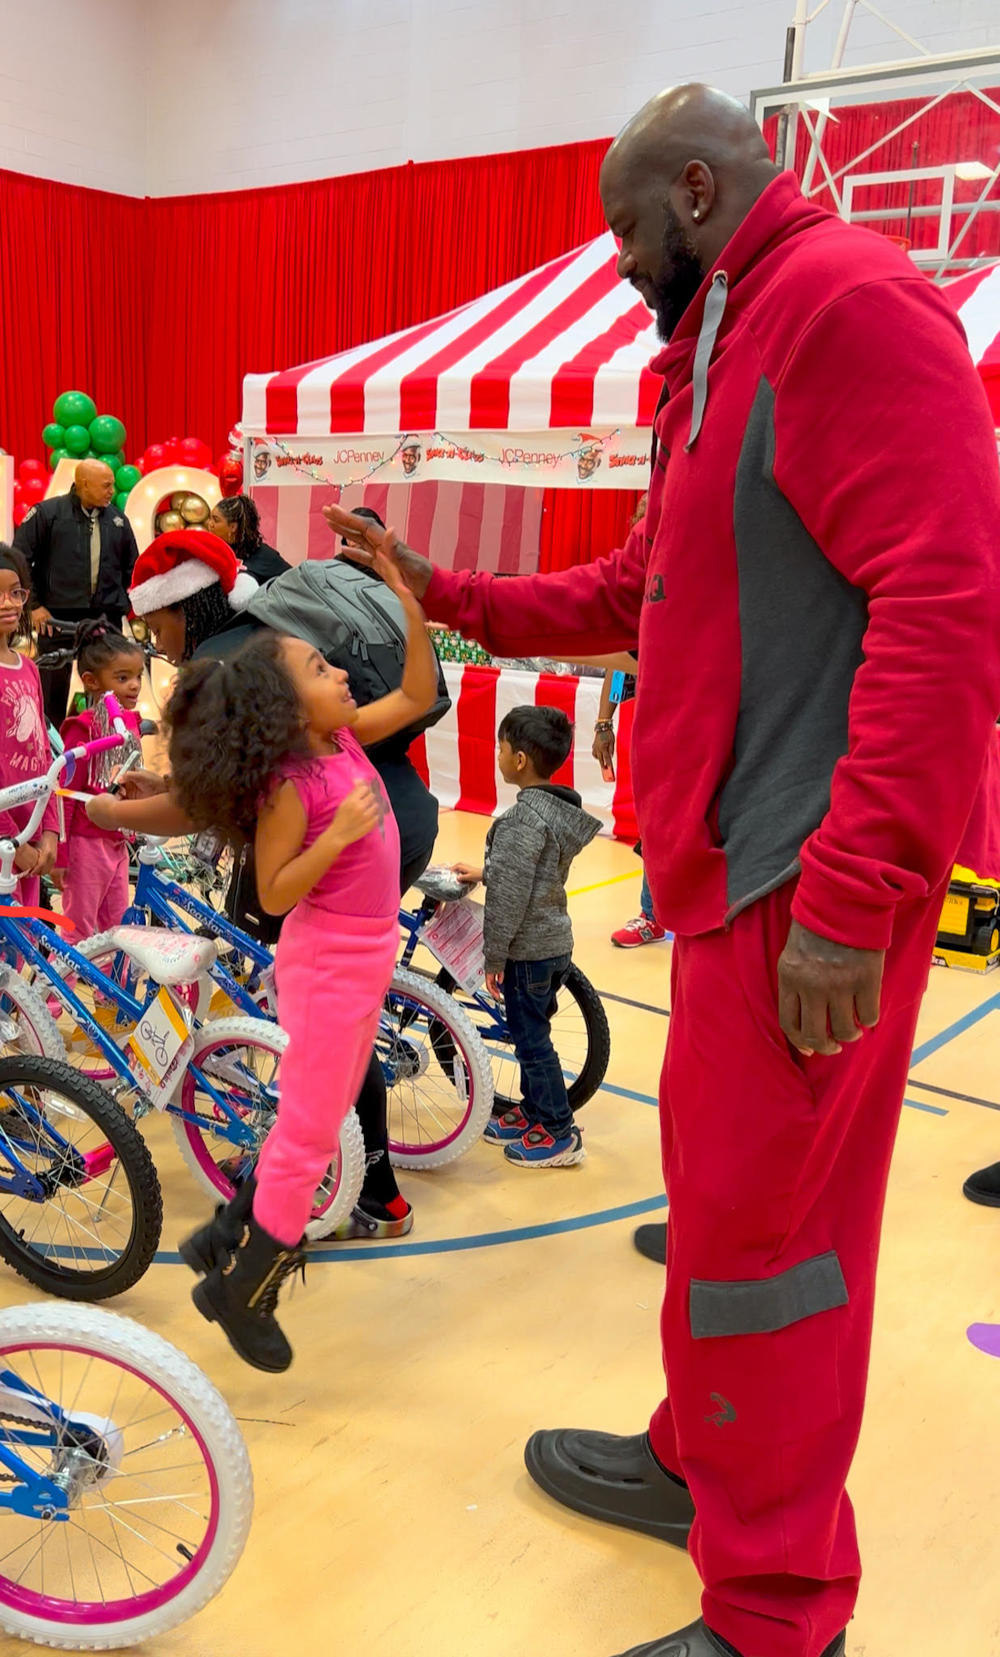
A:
(530, 989)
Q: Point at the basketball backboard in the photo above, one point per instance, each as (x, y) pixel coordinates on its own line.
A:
(911, 149)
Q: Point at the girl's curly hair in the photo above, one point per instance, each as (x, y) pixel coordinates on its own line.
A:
(230, 725)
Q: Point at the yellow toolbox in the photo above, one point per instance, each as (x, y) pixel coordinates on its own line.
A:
(969, 928)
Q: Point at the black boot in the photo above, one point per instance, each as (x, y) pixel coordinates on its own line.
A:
(651, 1240)
(242, 1295)
(698, 1641)
(612, 1478)
(211, 1244)
(984, 1187)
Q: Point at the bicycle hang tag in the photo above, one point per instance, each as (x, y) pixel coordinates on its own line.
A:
(454, 936)
(160, 1046)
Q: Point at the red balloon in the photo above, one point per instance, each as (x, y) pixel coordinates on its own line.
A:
(33, 490)
(172, 450)
(139, 463)
(231, 473)
(18, 491)
(20, 512)
(154, 458)
(193, 452)
(32, 469)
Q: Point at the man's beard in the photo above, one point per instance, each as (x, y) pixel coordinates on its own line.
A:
(680, 275)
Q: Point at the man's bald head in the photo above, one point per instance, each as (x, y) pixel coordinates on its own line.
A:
(95, 483)
(676, 184)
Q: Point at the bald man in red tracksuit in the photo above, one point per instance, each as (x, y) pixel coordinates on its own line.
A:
(817, 598)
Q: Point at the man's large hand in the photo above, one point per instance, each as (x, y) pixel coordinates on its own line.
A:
(827, 994)
(366, 539)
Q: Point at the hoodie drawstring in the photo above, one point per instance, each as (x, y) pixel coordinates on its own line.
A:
(711, 322)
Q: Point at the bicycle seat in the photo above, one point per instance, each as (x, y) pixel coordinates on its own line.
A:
(169, 957)
(442, 886)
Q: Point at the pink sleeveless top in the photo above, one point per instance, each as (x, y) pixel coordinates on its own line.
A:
(364, 880)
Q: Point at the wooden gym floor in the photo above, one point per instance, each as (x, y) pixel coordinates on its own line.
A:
(393, 1514)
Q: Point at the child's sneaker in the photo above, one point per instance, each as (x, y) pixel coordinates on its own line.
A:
(643, 930)
(375, 1222)
(508, 1128)
(538, 1149)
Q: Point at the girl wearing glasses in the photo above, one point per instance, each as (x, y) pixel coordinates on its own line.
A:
(24, 741)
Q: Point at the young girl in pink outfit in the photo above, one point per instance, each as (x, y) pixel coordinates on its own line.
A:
(24, 739)
(269, 743)
(95, 889)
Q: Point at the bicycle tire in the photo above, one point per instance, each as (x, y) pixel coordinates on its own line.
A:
(432, 1141)
(88, 1331)
(197, 1152)
(26, 1025)
(585, 1084)
(89, 1102)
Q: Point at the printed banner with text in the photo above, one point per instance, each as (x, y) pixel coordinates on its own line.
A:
(552, 459)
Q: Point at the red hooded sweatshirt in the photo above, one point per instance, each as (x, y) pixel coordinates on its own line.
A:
(815, 587)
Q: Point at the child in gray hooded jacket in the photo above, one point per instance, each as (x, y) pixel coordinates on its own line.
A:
(527, 933)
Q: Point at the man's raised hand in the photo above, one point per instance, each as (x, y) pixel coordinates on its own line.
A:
(366, 540)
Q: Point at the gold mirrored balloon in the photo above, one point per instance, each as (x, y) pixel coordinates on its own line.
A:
(177, 500)
(169, 520)
(194, 510)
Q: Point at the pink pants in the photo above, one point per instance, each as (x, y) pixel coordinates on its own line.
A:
(776, 1168)
(332, 975)
(95, 893)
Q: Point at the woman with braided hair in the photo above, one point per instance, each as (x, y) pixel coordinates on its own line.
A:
(236, 521)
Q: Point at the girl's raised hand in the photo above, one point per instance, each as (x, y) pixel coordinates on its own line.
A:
(358, 815)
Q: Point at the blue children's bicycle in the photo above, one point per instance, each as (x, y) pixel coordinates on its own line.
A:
(131, 1021)
(125, 1485)
(580, 1030)
(438, 1075)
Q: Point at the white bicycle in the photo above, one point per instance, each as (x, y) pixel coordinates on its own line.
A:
(125, 1485)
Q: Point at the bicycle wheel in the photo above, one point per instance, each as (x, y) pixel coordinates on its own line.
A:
(580, 1035)
(438, 1074)
(90, 1223)
(26, 1025)
(238, 1059)
(156, 1475)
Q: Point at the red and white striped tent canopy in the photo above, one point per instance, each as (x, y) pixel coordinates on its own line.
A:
(976, 298)
(544, 381)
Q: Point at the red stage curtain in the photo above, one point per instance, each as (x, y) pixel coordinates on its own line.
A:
(262, 279)
(71, 307)
(577, 527)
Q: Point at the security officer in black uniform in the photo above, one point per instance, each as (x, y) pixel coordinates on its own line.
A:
(81, 551)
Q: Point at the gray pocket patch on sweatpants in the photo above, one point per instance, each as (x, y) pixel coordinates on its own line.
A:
(764, 1305)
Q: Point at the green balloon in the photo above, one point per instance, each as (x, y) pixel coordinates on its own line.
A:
(121, 498)
(76, 440)
(56, 456)
(107, 434)
(116, 462)
(53, 435)
(74, 408)
(126, 478)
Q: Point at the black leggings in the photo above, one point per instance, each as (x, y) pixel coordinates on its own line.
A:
(371, 1105)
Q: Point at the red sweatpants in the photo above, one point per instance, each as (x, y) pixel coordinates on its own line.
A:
(776, 1168)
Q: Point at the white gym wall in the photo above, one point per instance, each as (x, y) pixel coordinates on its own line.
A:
(166, 97)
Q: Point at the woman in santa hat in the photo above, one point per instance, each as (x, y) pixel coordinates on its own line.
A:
(191, 591)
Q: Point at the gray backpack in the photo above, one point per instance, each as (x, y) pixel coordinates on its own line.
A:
(354, 621)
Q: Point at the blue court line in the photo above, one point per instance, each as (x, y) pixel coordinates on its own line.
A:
(479, 1240)
(967, 1022)
(932, 1110)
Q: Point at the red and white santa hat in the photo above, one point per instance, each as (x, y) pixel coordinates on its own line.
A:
(181, 562)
